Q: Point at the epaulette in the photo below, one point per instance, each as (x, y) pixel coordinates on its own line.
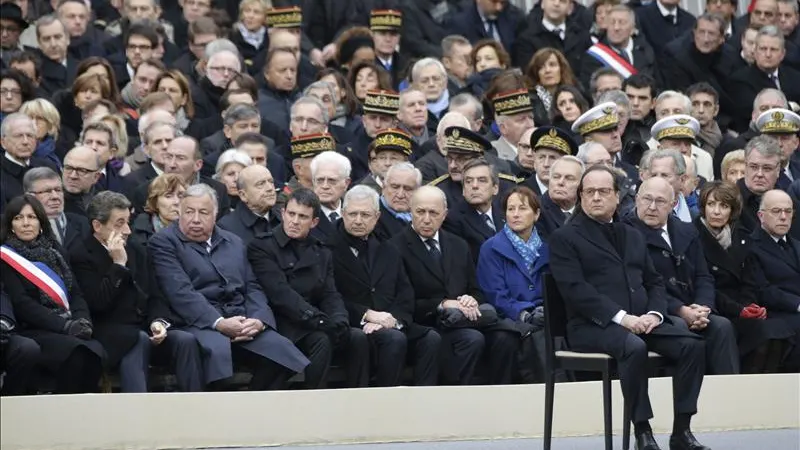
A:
(511, 178)
(439, 180)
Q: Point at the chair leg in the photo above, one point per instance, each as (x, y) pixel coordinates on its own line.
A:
(626, 426)
(607, 409)
(549, 393)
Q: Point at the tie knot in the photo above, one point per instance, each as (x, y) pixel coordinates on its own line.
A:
(334, 216)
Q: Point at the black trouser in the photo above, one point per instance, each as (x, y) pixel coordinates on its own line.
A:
(390, 353)
(267, 374)
(462, 349)
(79, 373)
(319, 349)
(19, 359)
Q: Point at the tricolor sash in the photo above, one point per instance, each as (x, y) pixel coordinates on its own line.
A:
(609, 58)
(39, 274)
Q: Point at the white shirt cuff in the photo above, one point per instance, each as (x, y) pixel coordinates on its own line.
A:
(216, 322)
(617, 319)
(658, 314)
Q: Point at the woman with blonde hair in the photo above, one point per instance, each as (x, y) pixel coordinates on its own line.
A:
(48, 124)
(250, 32)
(733, 166)
(118, 126)
(161, 208)
(229, 164)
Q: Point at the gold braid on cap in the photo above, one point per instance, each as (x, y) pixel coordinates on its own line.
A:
(675, 133)
(553, 141)
(386, 20)
(512, 104)
(460, 143)
(779, 125)
(608, 120)
(285, 17)
(313, 145)
(392, 140)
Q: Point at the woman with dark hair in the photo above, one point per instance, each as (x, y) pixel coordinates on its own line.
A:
(15, 89)
(763, 341)
(548, 70)
(489, 58)
(367, 76)
(244, 82)
(354, 45)
(568, 104)
(174, 84)
(47, 302)
(348, 110)
(101, 66)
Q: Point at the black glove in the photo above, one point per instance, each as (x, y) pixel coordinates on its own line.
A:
(80, 328)
(318, 321)
(6, 328)
(340, 332)
(534, 317)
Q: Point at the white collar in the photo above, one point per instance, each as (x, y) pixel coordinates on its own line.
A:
(513, 147)
(327, 211)
(131, 71)
(542, 186)
(158, 171)
(729, 30)
(16, 161)
(666, 12)
(435, 238)
(776, 239)
(103, 171)
(571, 210)
(682, 210)
(386, 62)
(378, 180)
(550, 26)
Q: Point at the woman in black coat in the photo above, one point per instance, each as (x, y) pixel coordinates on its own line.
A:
(763, 341)
(55, 316)
(161, 208)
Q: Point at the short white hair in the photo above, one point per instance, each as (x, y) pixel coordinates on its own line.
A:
(233, 54)
(220, 45)
(666, 95)
(337, 160)
(452, 119)
(202, 190)
(404, 167)
(362, 192)
(567, 158)
(424, 63)
(147, 118)
(586, 148)
(231, 156)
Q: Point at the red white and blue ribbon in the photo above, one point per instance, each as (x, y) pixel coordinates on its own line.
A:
(609, 58)
(39, 274)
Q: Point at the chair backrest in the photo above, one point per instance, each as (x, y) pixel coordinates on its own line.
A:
(555, 315)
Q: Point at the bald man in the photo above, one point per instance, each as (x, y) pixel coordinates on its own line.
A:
(439, 294)
(81, 172)
(772, 265)
(677, 254)
(253, 216)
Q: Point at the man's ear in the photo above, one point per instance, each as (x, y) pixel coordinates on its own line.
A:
(314, 222)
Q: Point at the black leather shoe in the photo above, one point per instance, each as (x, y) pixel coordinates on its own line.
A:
(646, 441)
(685, 440)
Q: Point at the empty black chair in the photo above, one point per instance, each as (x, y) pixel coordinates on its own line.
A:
(555, 324)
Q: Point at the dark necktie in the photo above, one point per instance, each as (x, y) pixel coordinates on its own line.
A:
(670, 18)
(334, 217)
(623, 54)
(491, 27)
(774, 79)
(433, 249)
(102, 182)
(488, 221)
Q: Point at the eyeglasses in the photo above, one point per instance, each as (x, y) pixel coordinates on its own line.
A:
(777, 212)
(766, 168)
(140, 47)
(81, 171)
(604, 192)
(48, 191)
(322, 181)
(13, 92)
(659, 202)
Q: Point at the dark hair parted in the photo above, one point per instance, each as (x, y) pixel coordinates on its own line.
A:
(14, 207)
(525, 193)
(304, 197)
(725, 192)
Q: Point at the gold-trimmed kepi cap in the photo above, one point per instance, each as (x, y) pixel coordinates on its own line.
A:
(385, 20)
(679, 126)
(394, 140)
(553, 138)
(382, 102)
(311, 145)
(512, 102)
(602, 117)
(465, 141)
(291, 17)
(778, 121)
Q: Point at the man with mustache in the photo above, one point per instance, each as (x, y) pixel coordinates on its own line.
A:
(253, 216)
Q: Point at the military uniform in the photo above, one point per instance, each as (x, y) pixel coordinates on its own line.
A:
(604, 117)
(307, 146)
(783, 122)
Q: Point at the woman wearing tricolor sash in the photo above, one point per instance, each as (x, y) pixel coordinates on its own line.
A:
(47, 303)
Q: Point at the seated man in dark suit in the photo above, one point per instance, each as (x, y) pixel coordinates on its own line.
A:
(20, 354)
(330, 174)
(480, 216)
(202, 273)
(379, 297)
(113, 280)
(99, 137)
(561, 200)
(401, 181)
(616, 304)
(772, 265)
(296, 271)
(45, 185)
(58, 66)
(81, 172)
(762, 168)
(442, 273)
(254, 215)
(391, 146)
(677, 255)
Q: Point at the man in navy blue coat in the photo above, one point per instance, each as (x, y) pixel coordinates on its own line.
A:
(772, 265)
(616, 304)
(203, 272)
(486, 19)
(677, 255)
(662, 21)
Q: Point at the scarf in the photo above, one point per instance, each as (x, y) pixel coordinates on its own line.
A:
(544, 96)
(46, 149)
(129, 96)
(402, 216)
(710, 139)
(158, 225)
(254, 38)
(181, 119)
(43, 249)
(723, 236)
(439, 105)
(529, 251)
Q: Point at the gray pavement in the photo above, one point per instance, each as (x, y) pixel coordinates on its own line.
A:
(788, 439)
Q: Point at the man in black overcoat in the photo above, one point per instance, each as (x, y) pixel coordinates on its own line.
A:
(379, 297)
(442, 273)
(114, 280)
(616, 304)
(401, 181)
(20, 354)
(254, 216)
(296, 272)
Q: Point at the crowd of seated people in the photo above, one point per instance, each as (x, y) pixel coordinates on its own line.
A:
(332, 197)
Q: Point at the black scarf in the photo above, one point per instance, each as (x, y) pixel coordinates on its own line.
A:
(44, 249)
(360, 245)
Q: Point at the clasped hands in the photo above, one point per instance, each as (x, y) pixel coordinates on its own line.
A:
(641, 324)
(375, 320)
(753, 311)
(466, 304)
(240, 328)
(696, 316)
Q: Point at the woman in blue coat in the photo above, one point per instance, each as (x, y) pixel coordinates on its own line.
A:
(511, 263)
